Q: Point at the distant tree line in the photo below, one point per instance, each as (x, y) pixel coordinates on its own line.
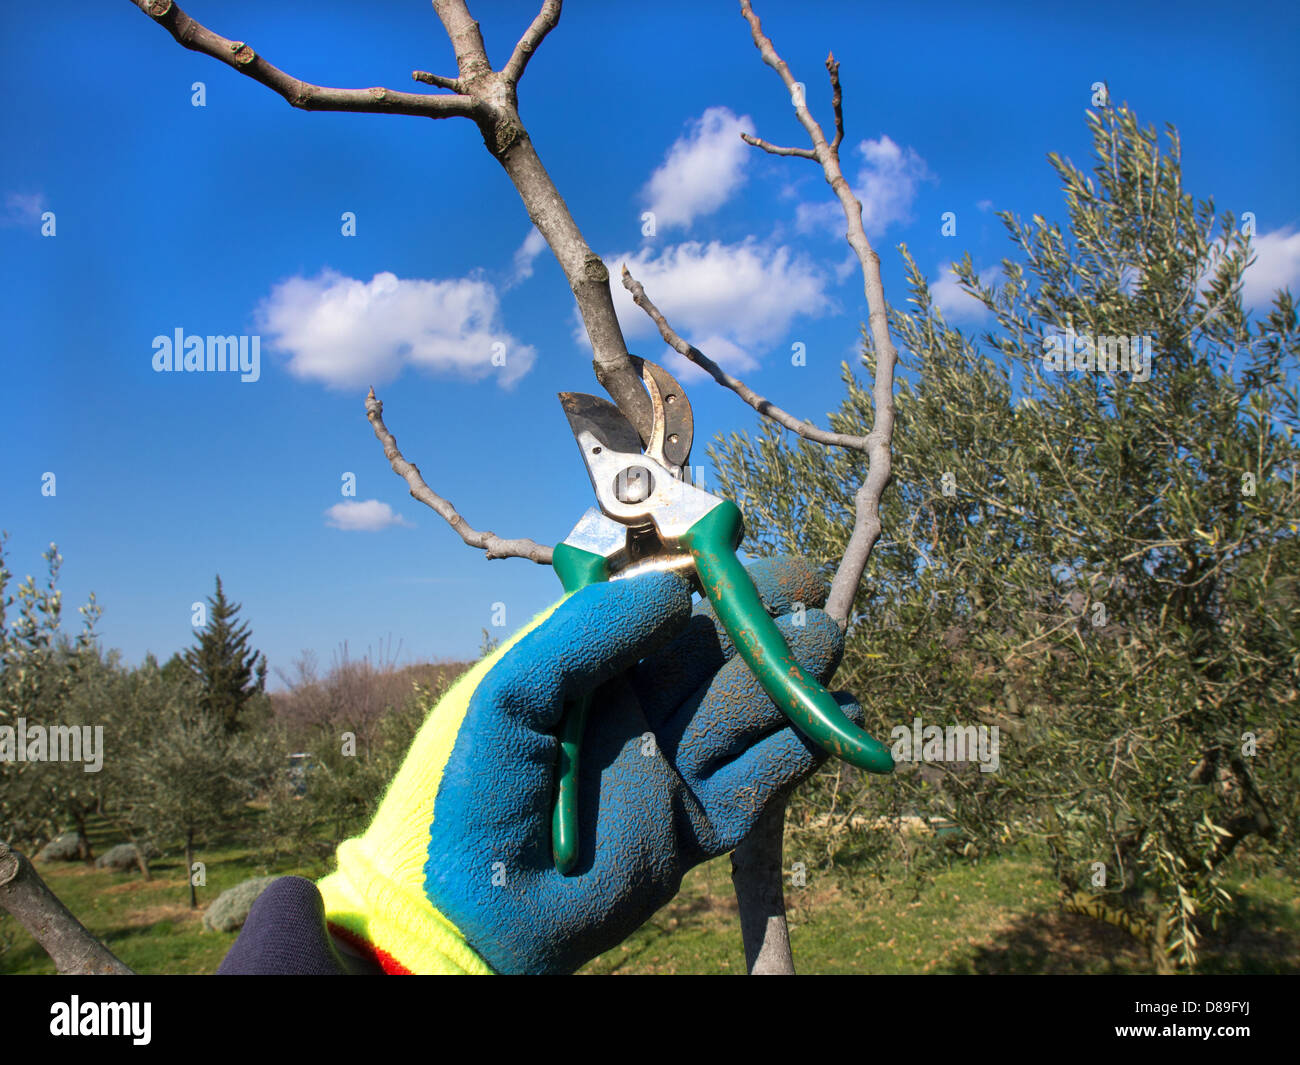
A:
(195, 751)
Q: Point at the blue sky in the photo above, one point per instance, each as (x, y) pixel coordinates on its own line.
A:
(227, 219)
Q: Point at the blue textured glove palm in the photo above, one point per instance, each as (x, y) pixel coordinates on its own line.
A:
(682, 753)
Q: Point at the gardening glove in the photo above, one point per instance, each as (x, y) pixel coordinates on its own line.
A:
(682, 753)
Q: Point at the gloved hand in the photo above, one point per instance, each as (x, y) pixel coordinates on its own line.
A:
(683, 751)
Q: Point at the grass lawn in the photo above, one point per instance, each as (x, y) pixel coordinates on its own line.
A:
(996, 917)
(148, 924)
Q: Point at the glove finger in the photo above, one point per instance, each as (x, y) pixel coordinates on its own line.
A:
(593, 635)
(737, 792)
(626, 802)
(722, 719)
(665, 680)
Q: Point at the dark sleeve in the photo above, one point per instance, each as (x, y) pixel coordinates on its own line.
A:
(285, 935)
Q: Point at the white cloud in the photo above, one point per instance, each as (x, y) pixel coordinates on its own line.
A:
(21, 209)
(732, 301)
(368, 516)
(348, 333)
(1276, 265)
(957, 305)
(886, 185)
(534, 244)
(701, 170)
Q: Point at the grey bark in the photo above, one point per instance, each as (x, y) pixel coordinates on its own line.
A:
(72, 948)
(757, 876)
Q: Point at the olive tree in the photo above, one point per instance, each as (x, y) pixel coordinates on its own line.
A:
(1094, 549)
(51, 736)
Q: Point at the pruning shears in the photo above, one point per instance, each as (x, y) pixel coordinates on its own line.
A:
(649, 516)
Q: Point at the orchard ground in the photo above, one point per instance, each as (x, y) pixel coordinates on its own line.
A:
(997, 916)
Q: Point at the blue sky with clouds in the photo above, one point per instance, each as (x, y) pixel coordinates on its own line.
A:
(227, 219)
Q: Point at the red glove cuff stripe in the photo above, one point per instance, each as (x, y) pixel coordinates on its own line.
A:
(382, 958)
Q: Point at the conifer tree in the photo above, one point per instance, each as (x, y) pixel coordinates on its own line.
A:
(230, 672)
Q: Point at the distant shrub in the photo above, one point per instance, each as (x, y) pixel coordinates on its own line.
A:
(123, 857)
(67, 848)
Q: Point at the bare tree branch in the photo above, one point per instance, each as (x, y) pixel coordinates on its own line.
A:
(302, 94)
(765, 407)
(489, 98)
(757, 863)
(508, 141)
(466, 40)
(772, 149)
(866, 528)
(837, 98)
(533, 36)
(73, 949)
(437, 79)
(490, 542)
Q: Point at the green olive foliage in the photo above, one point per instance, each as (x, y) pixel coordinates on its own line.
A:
(1102, 566)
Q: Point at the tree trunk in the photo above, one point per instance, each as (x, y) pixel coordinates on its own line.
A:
(189, 868)
(142, 861)
(756, 874)
(83, 838)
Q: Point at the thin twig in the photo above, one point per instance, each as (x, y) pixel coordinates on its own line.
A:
(437, 79)
(490, 542)
(775, 149)
(837, 98)
(302, 94)
(533, 36)
(763, 406)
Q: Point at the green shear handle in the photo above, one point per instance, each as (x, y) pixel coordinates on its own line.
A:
(712, 543)
(576, 569)
(564, 818)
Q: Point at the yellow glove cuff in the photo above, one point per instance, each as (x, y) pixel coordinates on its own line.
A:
(377, 896)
